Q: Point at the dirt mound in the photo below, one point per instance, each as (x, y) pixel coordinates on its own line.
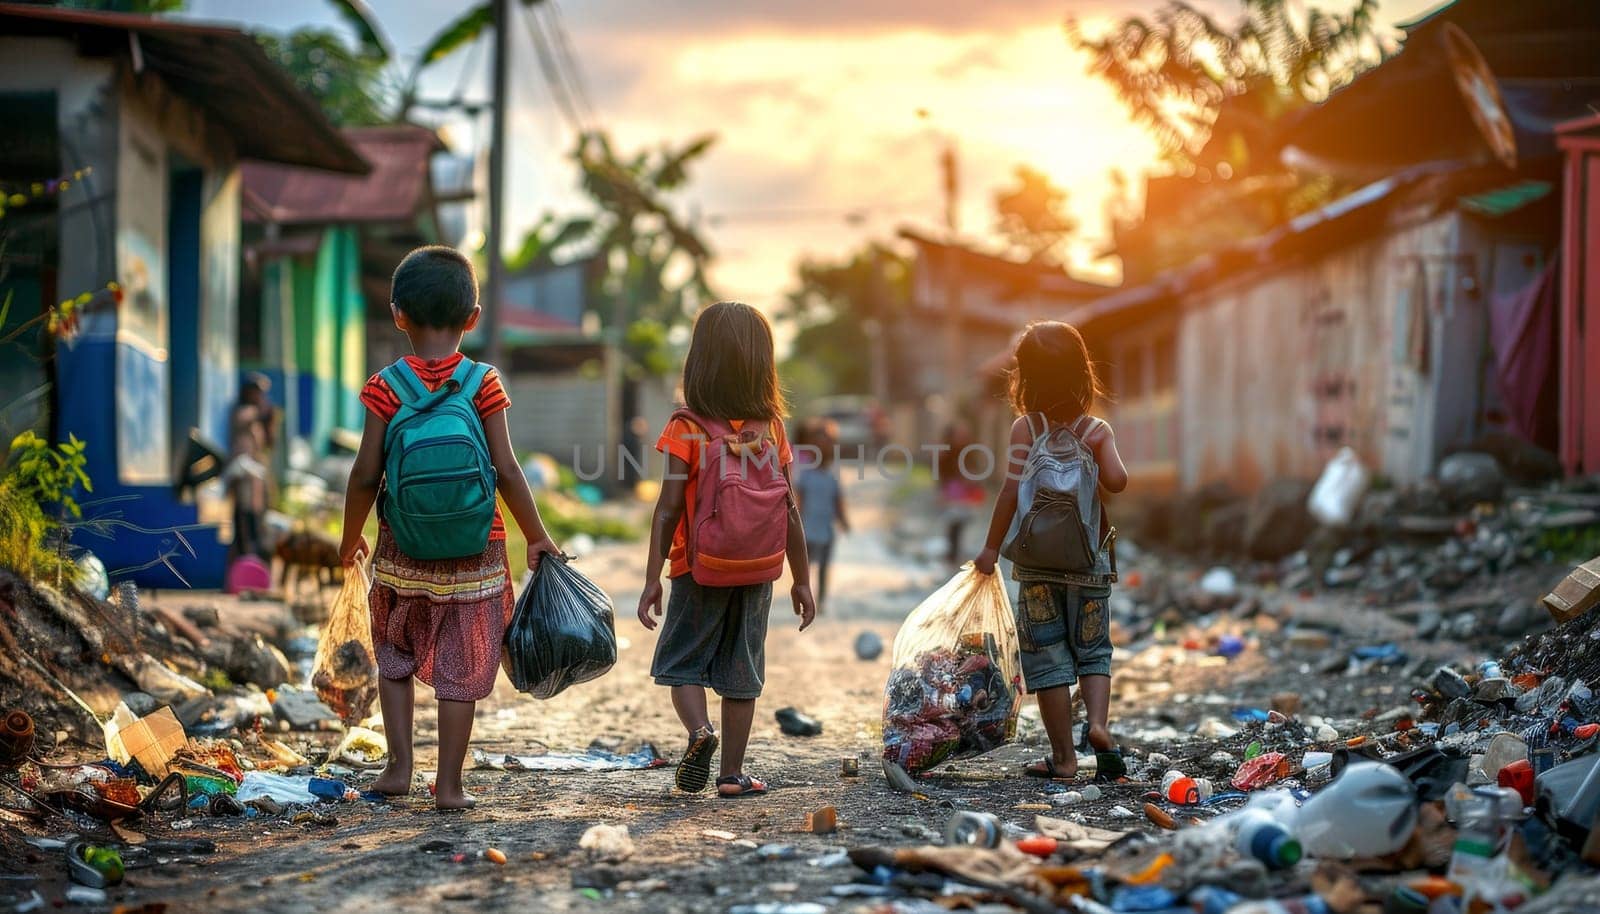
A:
(55, 641)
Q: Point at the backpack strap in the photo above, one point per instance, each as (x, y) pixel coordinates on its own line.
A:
(1034, 433)
(414, 395)
(714, 428)
(403, 381)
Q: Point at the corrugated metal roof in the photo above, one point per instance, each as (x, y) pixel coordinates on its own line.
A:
(395, 190)
(222, 71)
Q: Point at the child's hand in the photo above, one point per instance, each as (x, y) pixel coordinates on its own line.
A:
(804, 606)
(986, 559)
(352, 551)
(539, 550)
(650, 605)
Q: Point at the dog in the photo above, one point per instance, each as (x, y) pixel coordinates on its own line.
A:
(308, 553)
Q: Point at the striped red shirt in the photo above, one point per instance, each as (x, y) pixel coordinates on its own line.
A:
(378, 397)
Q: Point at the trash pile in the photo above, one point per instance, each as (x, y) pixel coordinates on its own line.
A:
(955, 688)
(1485, 513)
(1482, 797)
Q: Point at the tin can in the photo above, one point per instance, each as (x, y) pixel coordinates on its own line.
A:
(973, 829)
(849, 767)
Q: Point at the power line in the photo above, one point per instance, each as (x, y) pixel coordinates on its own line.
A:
(569, 60)
(552, 74)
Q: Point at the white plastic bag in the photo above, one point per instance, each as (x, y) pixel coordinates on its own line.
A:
(1337, 494)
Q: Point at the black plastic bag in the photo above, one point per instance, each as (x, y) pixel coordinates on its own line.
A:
(561, 633)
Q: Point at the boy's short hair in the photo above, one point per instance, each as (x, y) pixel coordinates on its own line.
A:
(435, 286)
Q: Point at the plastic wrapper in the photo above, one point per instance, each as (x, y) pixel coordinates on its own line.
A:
(345, 672)
(561, 633)
(955, 688)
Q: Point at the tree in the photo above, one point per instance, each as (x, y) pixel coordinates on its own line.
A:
(839, 308)
(1033, 216)
(1174, 70)
(350, 86)
(653, 275)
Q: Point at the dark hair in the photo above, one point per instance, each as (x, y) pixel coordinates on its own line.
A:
(1053, 374)
(821, 433)
(435, 287)
(731, 371)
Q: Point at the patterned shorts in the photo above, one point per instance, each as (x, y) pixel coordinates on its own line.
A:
(1065, 633)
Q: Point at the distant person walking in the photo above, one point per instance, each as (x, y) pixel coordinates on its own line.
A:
(252, 433)
(959, 496)
(821, 497)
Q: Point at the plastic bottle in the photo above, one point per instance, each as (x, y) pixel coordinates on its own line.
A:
(976, 829)
(1184, 790)
(1256, 833)
(1369, 810)
(1484, 817)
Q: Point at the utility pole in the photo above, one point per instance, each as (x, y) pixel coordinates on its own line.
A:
(957, 380)
(494, 288)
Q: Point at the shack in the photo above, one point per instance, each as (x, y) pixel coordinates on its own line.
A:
(156, 116)
(1407, 319)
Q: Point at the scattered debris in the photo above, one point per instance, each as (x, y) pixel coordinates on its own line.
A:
(822, 821)
(609, 843)
(796, 723)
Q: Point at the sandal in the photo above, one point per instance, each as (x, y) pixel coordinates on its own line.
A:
(1109, 766)
(694, 772)
(748, 786)
(1047, 769)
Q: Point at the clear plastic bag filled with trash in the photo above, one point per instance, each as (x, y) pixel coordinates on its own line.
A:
(561, 633)
(955, 687)
(345, 671)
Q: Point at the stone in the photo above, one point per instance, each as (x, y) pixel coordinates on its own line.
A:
(252, 660)
(1429, 624)
(1516, 620)
(302, 710)
(1286, 703)
(1278, 522)
(1449, 683)
(823, 821)
(1471, 478)
(869, 646)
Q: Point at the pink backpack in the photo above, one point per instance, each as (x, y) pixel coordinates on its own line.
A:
(740, 529)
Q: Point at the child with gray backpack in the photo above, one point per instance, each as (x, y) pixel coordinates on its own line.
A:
(1049, 522)
(434, 452)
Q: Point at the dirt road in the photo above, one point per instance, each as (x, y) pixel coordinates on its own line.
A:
(404, 856)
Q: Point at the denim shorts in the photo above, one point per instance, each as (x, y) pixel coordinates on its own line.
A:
(714, 637)
(1064, 631)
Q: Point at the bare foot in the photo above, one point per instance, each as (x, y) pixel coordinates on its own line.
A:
(453, 799)
(394, 780)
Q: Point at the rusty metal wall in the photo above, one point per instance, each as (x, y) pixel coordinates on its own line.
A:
(1277, 371)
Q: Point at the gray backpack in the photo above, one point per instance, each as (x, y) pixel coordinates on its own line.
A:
(1061, 525)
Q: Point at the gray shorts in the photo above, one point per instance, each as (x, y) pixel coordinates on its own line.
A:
(1064, 632)
(714, 637)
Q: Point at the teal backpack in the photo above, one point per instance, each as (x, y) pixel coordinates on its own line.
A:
(439, 480)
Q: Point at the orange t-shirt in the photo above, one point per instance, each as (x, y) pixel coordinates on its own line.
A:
(684, 440)
(492, 398)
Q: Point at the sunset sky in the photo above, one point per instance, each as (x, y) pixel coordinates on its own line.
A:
(816, 108)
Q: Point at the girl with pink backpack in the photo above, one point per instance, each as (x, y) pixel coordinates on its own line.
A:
(725, 522)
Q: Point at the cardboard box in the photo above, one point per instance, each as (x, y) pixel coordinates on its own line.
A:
(1578, 593)
(151, 740)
